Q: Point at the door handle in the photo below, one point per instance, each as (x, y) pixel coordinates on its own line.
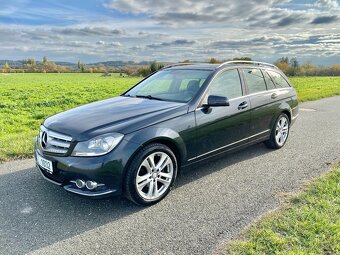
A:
(274, 95)
(243, 105)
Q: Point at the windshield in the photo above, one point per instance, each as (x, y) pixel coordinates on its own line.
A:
(171, 85)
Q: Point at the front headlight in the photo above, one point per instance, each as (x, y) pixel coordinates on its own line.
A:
(97, 146)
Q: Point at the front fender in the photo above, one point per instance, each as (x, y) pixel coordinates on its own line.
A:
(159, 134)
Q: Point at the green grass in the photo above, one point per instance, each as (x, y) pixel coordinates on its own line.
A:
(313, 88)
(309, 224)
(27, 99)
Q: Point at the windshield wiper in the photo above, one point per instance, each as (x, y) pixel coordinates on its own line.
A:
(150, 97)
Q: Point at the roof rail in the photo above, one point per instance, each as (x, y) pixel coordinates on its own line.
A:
(177, 64)
(248, 62)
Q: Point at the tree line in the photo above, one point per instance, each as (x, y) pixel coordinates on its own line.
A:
(290, 67)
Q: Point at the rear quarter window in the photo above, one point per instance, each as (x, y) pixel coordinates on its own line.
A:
(269, 81)
(278, 79)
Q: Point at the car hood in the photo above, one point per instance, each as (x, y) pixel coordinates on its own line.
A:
(118, 114)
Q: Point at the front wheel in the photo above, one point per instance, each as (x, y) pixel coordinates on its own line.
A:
(151, 174)
(279, 133)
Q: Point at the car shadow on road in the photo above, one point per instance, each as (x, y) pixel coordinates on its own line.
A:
(34, 213)
(219, 163)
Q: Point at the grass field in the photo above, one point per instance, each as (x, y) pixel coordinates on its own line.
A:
(313, 88)
(309, 224)
(27, 99)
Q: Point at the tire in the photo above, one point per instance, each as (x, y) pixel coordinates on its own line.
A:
(279, 133)
(151, 174)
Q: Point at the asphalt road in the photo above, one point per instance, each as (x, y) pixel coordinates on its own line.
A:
(211, 204)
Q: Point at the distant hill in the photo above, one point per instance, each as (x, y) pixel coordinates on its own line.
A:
(13, 63)
(68, 64)
(18, 63)
(119, 63)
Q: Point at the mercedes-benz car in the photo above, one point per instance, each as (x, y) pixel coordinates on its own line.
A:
(135, 144)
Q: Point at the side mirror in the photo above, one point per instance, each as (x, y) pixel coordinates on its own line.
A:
(217, 101)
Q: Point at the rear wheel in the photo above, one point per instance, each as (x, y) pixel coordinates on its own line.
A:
(151, 174)
(279, 133)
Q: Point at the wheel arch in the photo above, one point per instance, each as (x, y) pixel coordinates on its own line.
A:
(163, 136)
(283, 108)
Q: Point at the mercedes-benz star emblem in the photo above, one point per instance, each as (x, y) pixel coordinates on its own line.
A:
(44, 140)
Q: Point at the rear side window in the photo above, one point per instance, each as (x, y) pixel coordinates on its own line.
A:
(279, 81)
(269, 82)
(254, 80)
(227, 84)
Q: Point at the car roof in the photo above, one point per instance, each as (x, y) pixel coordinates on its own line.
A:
(212, 67)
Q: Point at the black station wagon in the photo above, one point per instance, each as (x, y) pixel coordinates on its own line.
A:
(135, 144)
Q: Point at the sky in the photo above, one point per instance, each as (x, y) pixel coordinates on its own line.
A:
(172, 31)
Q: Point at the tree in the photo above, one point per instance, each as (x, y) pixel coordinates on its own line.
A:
(45, 60)
(83, 68)
(214, 61)
(129, 70)
(79, 65)
(283, 60)
(29, 62)
(92, 69)
(294, 62)
(154, 67)
(308, 69)
(6, 68)
(101, 68)
(243, 58)
(294, 67)
(283, 64)
(143, 71)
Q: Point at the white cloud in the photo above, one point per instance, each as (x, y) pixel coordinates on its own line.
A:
(177, 13)
(327, 3)
(116, 44)
(178, 30)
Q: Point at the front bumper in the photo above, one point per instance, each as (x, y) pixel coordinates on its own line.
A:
(107, 170)
(71, 187)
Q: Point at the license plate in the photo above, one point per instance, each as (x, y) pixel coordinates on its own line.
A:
(44, 163)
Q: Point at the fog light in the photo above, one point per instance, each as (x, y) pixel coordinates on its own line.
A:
(91, 185)
(80, 183)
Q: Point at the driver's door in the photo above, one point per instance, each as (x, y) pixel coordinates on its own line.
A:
(221, 128)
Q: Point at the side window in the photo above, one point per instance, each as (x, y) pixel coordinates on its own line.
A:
(279, 81)
(227, 84)
(269, 82)
(254, 80)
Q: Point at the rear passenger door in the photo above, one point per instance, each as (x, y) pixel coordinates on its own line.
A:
(260, 90)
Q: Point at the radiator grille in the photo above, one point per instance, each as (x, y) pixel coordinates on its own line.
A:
(53, 142)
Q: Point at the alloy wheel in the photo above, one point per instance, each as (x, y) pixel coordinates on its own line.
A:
(281, 131)
(154, 175)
